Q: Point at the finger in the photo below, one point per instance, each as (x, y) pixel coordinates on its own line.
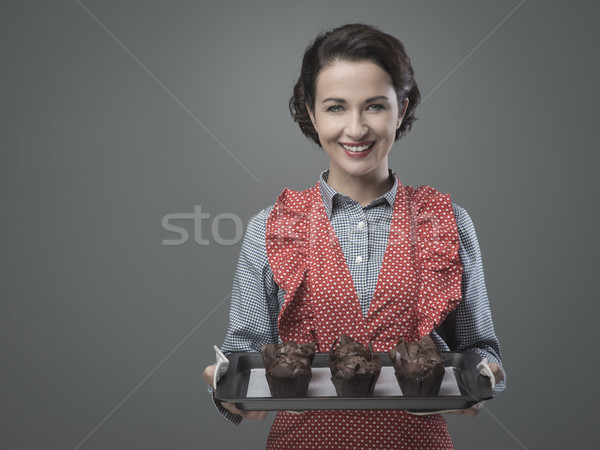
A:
(472, 412)
(231, 407)
(498, 374)
(475, 409)
(208, 375)
(254, 415)
(249, 415)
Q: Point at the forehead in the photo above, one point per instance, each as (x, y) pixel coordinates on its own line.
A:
(344, 78)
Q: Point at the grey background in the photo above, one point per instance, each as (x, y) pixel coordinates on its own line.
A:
(104, 331)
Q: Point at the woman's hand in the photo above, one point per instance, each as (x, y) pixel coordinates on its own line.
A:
(208, 377)
(474, 410)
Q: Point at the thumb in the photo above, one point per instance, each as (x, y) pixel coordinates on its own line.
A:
(209, 374)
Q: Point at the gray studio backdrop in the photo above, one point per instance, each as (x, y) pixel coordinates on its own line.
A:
(118, 114)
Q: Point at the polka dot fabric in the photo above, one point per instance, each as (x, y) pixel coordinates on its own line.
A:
(364, 429)
(418, 285)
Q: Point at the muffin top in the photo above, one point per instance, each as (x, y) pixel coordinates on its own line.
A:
(351, 358)
(288, 359)
(415, 357)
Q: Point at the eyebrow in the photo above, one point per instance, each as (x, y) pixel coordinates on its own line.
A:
(341, 100)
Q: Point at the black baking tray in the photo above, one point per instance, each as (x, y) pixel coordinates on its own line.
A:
(474, 387)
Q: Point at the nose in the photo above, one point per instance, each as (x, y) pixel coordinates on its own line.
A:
(356, 126)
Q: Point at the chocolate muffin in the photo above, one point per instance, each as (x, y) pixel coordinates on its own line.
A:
(354, 368)
(419, 367)
(288, 368)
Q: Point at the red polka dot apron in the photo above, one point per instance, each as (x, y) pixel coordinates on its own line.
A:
(418, 285)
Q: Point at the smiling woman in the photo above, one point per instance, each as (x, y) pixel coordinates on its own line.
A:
(359, 254)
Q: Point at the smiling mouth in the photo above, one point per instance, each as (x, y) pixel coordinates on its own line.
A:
(358, 148)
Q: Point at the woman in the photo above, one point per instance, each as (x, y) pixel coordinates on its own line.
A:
(359, 254)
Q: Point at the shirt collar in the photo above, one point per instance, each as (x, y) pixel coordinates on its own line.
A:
(332, 198)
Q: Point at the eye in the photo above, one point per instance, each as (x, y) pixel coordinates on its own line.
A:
(334, 108)
(376, 107)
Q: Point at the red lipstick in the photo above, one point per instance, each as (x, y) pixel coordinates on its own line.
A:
(358, 153)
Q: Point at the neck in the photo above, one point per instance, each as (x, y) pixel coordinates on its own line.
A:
(363, 188)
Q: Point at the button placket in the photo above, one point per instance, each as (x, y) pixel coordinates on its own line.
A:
(361, 237)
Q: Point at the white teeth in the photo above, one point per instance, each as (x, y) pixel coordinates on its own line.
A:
(354, 148)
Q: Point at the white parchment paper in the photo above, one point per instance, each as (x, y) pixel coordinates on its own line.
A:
(321, 385)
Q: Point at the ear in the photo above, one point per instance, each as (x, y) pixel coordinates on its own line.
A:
(402, 112)
(312, 116)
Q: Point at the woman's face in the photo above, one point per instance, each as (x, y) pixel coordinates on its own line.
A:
(356, 114)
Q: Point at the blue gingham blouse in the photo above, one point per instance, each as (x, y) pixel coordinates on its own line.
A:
(362, 233)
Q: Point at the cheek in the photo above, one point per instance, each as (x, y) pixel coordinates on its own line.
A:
(328, 128)
(386, 128)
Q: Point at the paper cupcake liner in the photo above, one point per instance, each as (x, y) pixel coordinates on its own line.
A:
(288, 387)
(427, 386)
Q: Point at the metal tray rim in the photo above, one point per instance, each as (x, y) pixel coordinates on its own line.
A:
(475, 386)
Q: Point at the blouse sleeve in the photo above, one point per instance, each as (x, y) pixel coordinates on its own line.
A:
(254, 301)
(254, 305)
(469, 327)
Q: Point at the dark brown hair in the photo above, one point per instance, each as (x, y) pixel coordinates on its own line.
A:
(354, 42)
